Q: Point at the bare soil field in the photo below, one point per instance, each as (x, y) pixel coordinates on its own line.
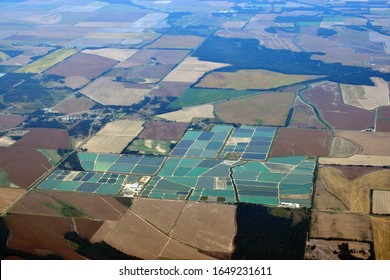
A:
(341, 226)
(209, 227)
(381, 202)
(191, 69)
(342, 148)
(114, 136)
(251, 79)
(45, 138)
(383, 119)
(303, 142)
(43, 235)
(304, 116)
(106, 91)
(23, 165)
(76, 82)
(174, 250)
(319, 249)
(325, 200)
(177, 42)
(165, 89)
(381, 232)
(234, 24)
(370, 143)
(355, 194)
(133, 236)
(163, 130)
(357, 160)
(83, 64)
(187, 114)
(9, 196)
(355, 172)
(163, 214)
(92, 206)
(74, 105)
(367, 97)
(112, 53)
(154, 56)
(327, 98)
(263, 109)
(10, 121)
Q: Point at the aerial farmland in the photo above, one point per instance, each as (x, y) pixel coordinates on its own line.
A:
(204, 130)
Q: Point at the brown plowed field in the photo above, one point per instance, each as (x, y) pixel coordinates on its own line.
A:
(355, 172)
(177, 41)
(371, 143)
(10, 121)
(301, 142)
(83, 64)
(210, 227)
(93, 206)
(163, 130)
(165, 89)
(341, 226)
(45, 138)
(23, 165)
(383, 121)
(327, 98)
(325, 200)
(44, 235)
(74, 105)
(163, 214)
(9, 196)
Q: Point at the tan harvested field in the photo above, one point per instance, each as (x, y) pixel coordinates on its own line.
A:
(251, 79)
(163, 214)
(74, 105)
(381, 232)
(9, 196)
(370, 143)
(187, 114)
(357, 160)
(114, 136)
(133, 236)
(341, 226)
(169, 89)
(112, 53)
(355, 194)
(144, 56)
(234, 24)
(342, 148)
(177, 42)
(10, 121)
(106, 91)
(268, 109)
(191, 69)
(209, 227)
(381, 202)
(92, 206)
(174, 250)
(6, 141)
(76, 82)
(324, 249)
(325, 200)
(367, 97)
(19, 60)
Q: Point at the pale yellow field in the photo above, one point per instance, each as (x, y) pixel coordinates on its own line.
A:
(4, 56)
(355, 194)
(113, 53)
(6, 141)
(191, 69)
(342, 148)
(357, 160)
(9, 196)
(381, 202)
(251, 79)
(114, 137)
(42, 64)
(187, 114)
(108, 92)
(381, 231)
(367, 97)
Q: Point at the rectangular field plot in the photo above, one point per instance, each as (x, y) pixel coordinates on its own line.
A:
(381, 202)
(204, 144)
(192, 179)
(249, 143)
(87, 182)
(279, 181)
(134, 164)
